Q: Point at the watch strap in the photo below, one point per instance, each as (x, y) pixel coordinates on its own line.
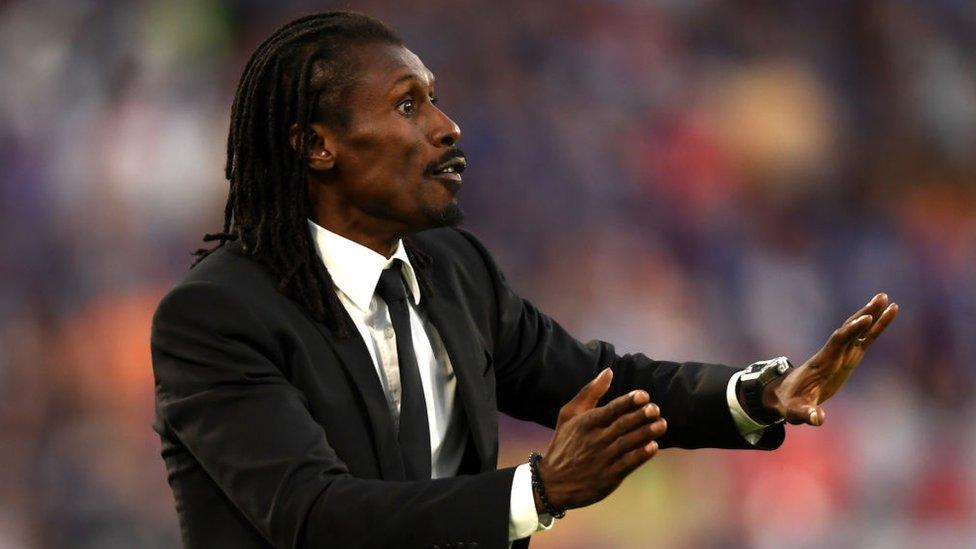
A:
(754, 380)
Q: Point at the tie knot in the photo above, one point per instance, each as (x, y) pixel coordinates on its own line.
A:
(390, 286)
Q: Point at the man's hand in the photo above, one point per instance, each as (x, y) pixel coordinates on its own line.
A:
(797, 396)
(594, 449)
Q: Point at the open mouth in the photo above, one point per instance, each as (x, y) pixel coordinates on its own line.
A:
(452, 169)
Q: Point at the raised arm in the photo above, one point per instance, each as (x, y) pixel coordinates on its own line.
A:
(539, 367)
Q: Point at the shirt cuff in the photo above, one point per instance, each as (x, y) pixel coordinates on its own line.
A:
(523, 519)
(750, 429)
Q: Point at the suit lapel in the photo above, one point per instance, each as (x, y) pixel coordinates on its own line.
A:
(468, 360)
(358, 365)
(355, 360)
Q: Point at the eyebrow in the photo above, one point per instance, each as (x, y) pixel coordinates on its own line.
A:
(410, 76)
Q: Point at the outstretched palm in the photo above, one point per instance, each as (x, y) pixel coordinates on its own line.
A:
(799, 395)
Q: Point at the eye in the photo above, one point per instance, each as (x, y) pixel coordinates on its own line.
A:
(406, 107)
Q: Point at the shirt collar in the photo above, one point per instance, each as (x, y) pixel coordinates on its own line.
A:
(355, 269)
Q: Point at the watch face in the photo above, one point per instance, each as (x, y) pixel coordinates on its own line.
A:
(767, 374)
(767, 370)
(773, 369)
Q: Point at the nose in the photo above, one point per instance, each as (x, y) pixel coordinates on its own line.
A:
(446, 132)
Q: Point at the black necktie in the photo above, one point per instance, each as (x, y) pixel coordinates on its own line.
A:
(414, 436)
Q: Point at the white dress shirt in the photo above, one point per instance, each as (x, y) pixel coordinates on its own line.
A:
(355, 271)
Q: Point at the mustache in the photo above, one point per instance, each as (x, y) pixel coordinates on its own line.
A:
(449, 154)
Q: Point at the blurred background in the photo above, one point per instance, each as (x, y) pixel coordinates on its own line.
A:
(718, 181)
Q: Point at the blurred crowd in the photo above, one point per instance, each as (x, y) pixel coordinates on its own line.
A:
(694, 179)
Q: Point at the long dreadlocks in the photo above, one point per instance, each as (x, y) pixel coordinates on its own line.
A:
(301, 74)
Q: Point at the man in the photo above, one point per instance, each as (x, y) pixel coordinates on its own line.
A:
(330, 374)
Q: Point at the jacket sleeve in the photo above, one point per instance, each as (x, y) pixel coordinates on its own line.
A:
(539, 367)
(220, 392)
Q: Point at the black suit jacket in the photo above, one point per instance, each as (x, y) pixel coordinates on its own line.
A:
(275, 432)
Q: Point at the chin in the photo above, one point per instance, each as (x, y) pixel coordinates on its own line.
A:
(448, 216)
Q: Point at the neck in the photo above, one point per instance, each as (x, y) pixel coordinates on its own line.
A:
(332, 210)
(361, 229)
(383, 244)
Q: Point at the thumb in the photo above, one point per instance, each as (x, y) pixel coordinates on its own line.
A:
(807, 413)
(591, 393)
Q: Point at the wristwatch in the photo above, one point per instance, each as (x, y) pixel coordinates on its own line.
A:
(754, 380)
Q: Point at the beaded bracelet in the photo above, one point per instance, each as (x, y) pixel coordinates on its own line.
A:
(540, 490)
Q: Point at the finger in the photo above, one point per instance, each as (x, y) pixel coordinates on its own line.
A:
(633, 459)
(845, 335)
(616, 408)
(586, 398)
(879, 326)
(632, 420)
(873, 307)
(806, 413)
(592, 392)
(640, 436)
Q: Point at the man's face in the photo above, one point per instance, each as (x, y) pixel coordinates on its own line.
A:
(397, 162)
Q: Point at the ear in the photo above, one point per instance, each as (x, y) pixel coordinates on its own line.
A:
(321, 153)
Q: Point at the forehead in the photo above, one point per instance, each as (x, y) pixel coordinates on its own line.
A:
(383, 67)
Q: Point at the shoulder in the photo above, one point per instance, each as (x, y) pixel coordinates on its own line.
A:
(453, 246)
(460, 263)
(230, 267)
(227, 283)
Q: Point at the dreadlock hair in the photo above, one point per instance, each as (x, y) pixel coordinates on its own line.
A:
(301, 74)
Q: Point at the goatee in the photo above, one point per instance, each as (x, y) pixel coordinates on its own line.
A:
(450, 216)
